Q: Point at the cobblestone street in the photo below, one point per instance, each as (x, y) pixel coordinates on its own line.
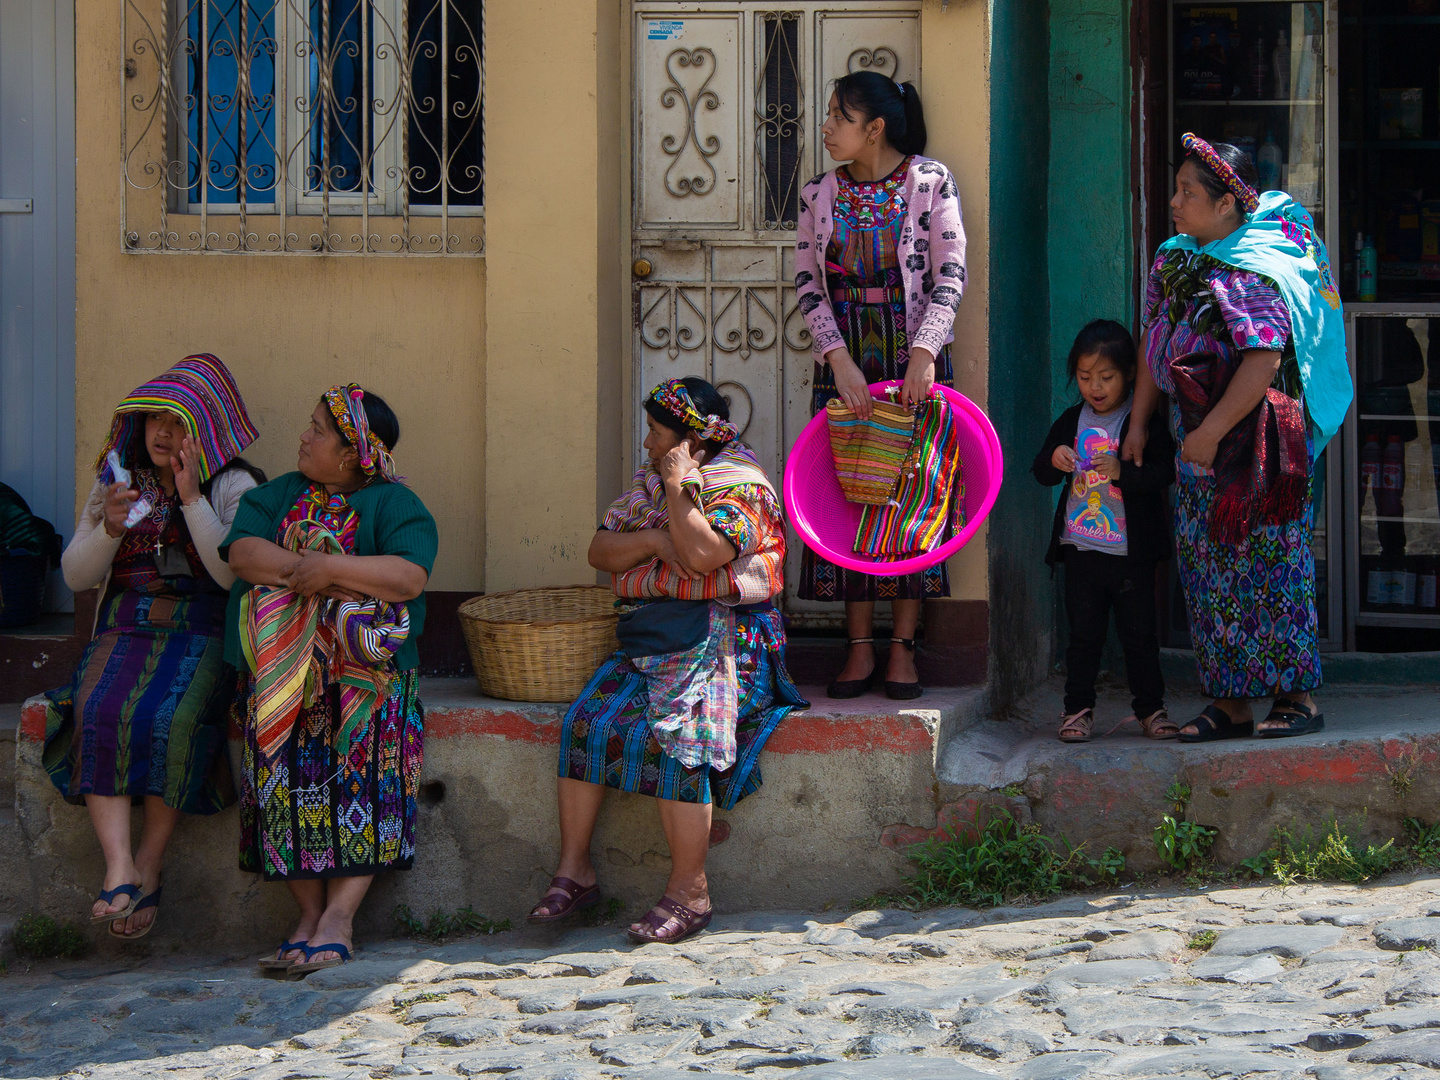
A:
(1335, 983)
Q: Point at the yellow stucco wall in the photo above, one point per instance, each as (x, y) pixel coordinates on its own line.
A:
(412, 329)
(954, 60)
(514, 457)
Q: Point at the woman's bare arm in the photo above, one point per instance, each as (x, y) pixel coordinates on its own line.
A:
(616, 552)
(260, 562)
(391, 578)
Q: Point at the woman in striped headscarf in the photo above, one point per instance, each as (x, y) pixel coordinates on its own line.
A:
(332, 559)
(145, 715)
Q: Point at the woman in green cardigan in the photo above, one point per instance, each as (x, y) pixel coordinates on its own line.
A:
(332, 562)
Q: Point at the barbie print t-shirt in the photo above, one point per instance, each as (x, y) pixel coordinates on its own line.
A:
(1095, 511)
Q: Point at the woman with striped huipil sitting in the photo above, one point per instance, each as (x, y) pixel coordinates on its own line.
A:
(332, 560)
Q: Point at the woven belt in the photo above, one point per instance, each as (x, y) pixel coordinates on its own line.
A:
(874, 297)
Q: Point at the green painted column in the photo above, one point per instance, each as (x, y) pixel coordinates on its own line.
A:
(1091, 192)
(1021, 597)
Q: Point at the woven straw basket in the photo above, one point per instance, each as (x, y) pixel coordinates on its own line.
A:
(539, 644)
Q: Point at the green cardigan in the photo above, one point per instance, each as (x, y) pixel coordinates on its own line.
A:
(393, 521)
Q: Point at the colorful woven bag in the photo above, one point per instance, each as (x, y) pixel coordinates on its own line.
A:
(869, 453)
(930, 496)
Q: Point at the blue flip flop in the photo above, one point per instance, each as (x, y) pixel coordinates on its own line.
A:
(307, 966)
(152, 900)
(108, 897)
(277, 962)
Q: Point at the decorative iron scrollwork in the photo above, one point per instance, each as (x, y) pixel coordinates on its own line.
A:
(877, 59)
(751, 333)
(779, 115)
(742, 405)
(674, 146)
(303, 126)
(674, 330)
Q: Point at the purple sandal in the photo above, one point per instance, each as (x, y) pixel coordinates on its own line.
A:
(690, 922)
(572, 897)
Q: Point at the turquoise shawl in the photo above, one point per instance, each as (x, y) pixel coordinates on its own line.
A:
(1278, 242)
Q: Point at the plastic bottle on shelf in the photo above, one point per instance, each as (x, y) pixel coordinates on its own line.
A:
(1368, 270)
(1281, 59)
(1258, 70)
(1370, 468)
(1268, 162)
(1425, 592)
(1389, 499)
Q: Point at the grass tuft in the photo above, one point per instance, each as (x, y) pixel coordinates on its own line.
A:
(40, 937)
(1005, 863)
(440, 926)
(1303, 855)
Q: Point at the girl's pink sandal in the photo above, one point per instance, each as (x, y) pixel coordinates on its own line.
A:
(1077, 727)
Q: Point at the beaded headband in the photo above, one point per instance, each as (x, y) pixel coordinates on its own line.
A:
(346, 405)
(674, 398)
(1244, 194)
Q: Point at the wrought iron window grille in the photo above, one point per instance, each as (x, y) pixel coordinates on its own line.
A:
(350, 127)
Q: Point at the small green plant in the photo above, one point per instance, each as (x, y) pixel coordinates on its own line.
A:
(440, 926)
(1178, 842)
(1258, 865)
(1005, 862)
(1108, 867)
(1424, 842)
(1402, 772)
(1302, 856)
(1012, 791)
(40, 937)
(1202, 940)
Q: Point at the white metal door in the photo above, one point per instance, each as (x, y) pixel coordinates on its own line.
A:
(37, 257)
(728, 103)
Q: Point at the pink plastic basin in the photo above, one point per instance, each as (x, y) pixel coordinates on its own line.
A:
(827, 522)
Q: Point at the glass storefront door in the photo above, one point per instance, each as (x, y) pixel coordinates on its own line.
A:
(1254, 73)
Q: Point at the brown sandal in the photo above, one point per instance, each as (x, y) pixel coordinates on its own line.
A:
(685, 921)
(1077, 727)
(1157, 725)
(572, 897)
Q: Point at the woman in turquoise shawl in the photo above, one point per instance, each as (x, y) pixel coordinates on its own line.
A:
(1243, 328)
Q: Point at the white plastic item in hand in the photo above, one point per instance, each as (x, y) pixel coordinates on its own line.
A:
(122, 476)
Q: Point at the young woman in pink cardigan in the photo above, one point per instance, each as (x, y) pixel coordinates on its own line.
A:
(879, 269)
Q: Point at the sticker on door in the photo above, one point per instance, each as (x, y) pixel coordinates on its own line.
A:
(665, 30)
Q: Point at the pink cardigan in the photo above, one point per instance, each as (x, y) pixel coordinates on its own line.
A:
(932, 249)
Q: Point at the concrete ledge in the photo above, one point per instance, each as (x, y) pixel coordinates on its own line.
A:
(838, 780)
(1372, 767)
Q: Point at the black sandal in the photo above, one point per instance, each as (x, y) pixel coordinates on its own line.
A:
(852, 688)
(1299, 720)
(903, 691)
(1214, 723)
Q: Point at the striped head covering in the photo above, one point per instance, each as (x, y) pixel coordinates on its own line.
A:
(201, 391)
(346, 404)
(1244, 194)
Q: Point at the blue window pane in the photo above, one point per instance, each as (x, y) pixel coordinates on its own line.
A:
(228, 138)
(339, 148)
